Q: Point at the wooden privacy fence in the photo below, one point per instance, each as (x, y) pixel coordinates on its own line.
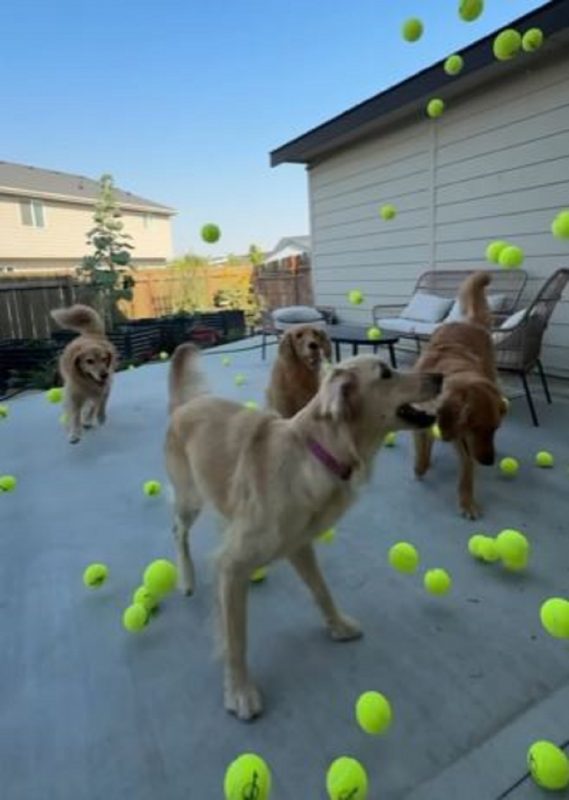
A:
(284, 287)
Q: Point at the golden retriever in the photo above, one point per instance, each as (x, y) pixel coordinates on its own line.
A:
(87, 365)
(278, 483)
(471, 406)
(296, 372)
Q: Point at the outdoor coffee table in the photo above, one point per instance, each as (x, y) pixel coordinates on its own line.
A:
(356, 335)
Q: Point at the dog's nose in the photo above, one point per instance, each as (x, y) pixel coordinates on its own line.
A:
(104, 375)
(313, 346)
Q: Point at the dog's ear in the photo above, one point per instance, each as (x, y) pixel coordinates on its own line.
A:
(451, 415)
(325, 344)
(338, 395)
(286, 346)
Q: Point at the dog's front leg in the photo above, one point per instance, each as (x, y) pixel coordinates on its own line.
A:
(102, 408)
(73, 414)
(341, 627)
(468, 506)
(423, 448)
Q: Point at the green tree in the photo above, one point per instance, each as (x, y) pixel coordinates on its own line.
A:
(256, 255)
(191, 290)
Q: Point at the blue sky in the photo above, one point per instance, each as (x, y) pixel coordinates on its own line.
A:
(182, 100)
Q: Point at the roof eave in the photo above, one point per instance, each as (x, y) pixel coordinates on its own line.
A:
(85, 201)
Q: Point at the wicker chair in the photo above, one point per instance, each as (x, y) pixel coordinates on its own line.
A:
(518, 349)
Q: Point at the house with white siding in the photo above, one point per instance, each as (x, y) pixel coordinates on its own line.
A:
(495, 165)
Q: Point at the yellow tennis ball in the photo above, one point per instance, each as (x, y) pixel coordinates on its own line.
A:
(259, 575)
(373, 713)
(135, 617)
(54, 395)
(239, 380)
(374, 333)
(210, 233)
(145, 598)
(160, 577)
(4, 411)
(507, 44)
(345, 779)
(435, 107)
(437, 581)
(152, 488)
(454, 64)
(511, 257)
(412, 29)
(328, 536)
(532, 40)
(488, 550)
(225, 361)
(387, 212)
(554, 615)
(436, 432)
(7, 483)
(509, 466)
(544, 459)
(513, 548)
(404, 557)
(494, 249)
(95, 575)
(356, 297)
(251, 404)
(548, 765)
(469, 10)
(164, 356)
(474, 544)
(390, 439)
(560, 225)
(247, 777)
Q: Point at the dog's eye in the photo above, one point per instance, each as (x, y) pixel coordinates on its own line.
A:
(89, 360)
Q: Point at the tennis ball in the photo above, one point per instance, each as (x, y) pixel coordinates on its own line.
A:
(437, 581)
(152, 488)
(544, 459)
(454, 64)
(435, 107)
(390, 439)
(554, 615)
(95, 575)
(474, 544)
(210, 233)
(532, 40)
(404, 557)
(511, 257)
(387, 212)
(374, 333)
(135, 617)
(436, 432)
(488, 550)
(247, 777)
(513, 548)
(548, 765)
(164, 356)
(373, 713)
(412, 29)
(507, 44)
(328, 536)
(345, 779)
(54, 395)
(251, 404)
(4, 411)
(7, 483)
(560, 225)
(225, 361)
(160, 577)
(145, 598)
(493, 251)
(259, 575)
(239, 379)
(355, 297)
(509, 466)
(469, 10)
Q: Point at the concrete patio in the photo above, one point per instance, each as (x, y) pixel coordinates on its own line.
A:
(91, 712)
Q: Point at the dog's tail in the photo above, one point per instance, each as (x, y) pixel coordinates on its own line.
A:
(185, 379)
(79, 318)
(472, 297)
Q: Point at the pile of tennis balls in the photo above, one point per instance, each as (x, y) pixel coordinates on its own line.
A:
(404, 557)
(510, 547)
(507, 255)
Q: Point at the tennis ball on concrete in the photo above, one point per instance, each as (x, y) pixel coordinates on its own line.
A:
(251, 404)
(4, 411)
(509, 466)
(164, 356)
(259, 575)
(160, 577)
(374, 333)
(560, 225)
(210, 233)
(554, 615)
(548, 765)
(239, 379)
(225, 361)
(390, 439)
(373, 713)
(95, 575)
(507, 44)
(54, 395)
(145, 598)
(404, 557)
(544, 459)
(474, 544)
(346, 778)
(513, 548)
(511, 257)
(7, 483)
(387, 212)
(469, 10)
(454, 64)
(493, 251)
(328, 536)
(135, 617)
(247, 777)
(356, 297)
(437, 581)
(488, 550)
(435, 107)
(532, 40)
(152, 488)
(412, 29)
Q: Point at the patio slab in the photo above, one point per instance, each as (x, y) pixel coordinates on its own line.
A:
(93, 713)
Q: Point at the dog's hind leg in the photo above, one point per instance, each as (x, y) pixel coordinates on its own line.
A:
(187, 506)
(423, 449)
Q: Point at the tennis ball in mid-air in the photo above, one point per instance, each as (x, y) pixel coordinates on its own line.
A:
(251, 404)
(152, 488)
(7, 483)
(511, 257)
(509, 466)
(554, 615)
(507, 44)
(436, 432)
(548, 765)
(404, 557)
(95, 575)
(532, 40)
(387, 212)
(259, 575)
(247, 777)
(4, 411)
(437, 581)
(145, 598)
(135, 617)
(356, 297)
(160, 577)
(373, 713)
(469, 10)
(544, 459)
(374, 333)
(390, 439)
(164, 356)
(239, 380)
(346, 778)
(513, 548)
(210, 233)
(454, 64)
(560, 225)
(54, 395)
(412, 29)
(225, 361)
(328, 536)
(493, 251)
(435, 107)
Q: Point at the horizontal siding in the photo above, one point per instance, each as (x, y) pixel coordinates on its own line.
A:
(496, 165)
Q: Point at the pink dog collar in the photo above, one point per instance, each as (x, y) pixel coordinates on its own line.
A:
(342, 471)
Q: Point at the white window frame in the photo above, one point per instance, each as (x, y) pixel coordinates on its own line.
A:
(33, 204)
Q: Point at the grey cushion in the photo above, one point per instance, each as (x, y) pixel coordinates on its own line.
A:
(496, 303)
(297, 315)
(425, 307)
(409, 326)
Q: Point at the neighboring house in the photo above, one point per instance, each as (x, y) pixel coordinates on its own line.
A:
(45, 216)
(289, 247)
(495, 165)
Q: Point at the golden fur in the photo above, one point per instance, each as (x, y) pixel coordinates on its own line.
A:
(87, 366)
(471, 406)
(295, 377)
(273, 495)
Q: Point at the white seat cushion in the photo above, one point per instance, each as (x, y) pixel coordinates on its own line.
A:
(513, 320)
(425, 307)
(402, 325)
(496, 303)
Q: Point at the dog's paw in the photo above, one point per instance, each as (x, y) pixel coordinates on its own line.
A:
(74, 438)
(470, 510)
(87, 426)
(243, 701)
(344, 629)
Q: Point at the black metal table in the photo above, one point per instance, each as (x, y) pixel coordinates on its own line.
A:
(356, 335)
